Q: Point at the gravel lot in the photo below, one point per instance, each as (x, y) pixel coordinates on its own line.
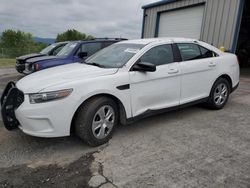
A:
(192, 147)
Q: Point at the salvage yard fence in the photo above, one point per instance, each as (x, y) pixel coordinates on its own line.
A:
(15, 52)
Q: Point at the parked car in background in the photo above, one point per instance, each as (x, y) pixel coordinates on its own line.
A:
(52, 49)
(121, 83)
(75, 51)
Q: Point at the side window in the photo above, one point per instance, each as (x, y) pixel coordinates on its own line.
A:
(189, 51)
(57, 50)
(207, 53)
(159, 55)
(90, 48)
(106, 44)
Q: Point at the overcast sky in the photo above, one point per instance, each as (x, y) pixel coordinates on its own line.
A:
(100, 18)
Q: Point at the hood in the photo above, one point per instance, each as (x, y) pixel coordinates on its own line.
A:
(40, 80)
(42, 58)
(28, 56)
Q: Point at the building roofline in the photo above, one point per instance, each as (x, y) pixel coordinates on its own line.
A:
(158, 3)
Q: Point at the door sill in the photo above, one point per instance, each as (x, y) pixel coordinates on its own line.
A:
(149, 113)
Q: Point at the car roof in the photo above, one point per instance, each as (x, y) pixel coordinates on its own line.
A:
(158, 40)
(64, 42)
(171, 40)
(99, 40)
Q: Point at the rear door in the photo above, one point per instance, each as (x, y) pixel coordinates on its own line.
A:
(198, 70)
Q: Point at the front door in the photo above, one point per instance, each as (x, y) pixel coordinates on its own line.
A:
(156, 90)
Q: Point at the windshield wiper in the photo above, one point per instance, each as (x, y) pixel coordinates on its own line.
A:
(95, 64)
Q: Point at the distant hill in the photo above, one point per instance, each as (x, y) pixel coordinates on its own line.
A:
(40, 39)
(44, 40)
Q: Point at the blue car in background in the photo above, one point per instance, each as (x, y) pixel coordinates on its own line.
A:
(75, 51)
(52, 49)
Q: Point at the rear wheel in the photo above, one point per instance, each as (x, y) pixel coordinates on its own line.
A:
(219, 94)
(95, 120)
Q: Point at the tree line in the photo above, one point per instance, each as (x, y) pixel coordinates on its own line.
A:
(14, 43)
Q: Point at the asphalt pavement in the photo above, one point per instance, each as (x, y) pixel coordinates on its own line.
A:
(191, 147)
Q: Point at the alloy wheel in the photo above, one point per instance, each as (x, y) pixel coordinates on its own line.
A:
(220, 94)
(103, 122)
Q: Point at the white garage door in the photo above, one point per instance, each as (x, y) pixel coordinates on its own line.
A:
(181, 23)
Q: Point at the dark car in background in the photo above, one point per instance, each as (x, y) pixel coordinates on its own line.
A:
(52, 49)
(75, 51)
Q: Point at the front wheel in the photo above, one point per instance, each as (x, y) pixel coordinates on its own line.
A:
(219, 94)
(95, 120)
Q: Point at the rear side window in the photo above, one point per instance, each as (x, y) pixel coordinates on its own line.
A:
(106, 44)
(90, 48)
(191, 51)
(159, 55)
(207, 53)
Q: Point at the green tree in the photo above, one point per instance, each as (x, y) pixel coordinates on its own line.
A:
(16, 39)
(72, 34)
(16, 43)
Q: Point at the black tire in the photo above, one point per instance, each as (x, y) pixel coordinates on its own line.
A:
(211, 103)
(85, 117)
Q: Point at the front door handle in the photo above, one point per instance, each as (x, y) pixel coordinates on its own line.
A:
(211, 64)
(173, 71)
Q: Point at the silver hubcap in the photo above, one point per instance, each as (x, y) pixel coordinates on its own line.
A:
(220, 94)
(103, 122)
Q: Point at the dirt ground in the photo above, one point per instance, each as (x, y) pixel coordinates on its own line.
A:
(76, 174)
(192, 147)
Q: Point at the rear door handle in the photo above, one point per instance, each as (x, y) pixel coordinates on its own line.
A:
(173, 71)
(211, 64)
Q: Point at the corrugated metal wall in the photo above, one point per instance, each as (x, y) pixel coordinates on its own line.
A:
(219, 20)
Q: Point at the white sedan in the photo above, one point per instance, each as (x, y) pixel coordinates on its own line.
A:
(120, 84)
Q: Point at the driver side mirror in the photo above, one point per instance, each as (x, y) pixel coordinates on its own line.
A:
(144, 67)
(82, 54)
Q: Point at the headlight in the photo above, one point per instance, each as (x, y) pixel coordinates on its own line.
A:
(27, 66)
(49, 96)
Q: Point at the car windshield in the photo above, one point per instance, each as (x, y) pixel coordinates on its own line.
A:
(67, 49)
(114, 56)
(48, 49)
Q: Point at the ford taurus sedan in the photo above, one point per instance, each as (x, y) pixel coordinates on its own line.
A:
(122, 83)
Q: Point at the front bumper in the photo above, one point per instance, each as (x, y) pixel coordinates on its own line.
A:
(49, 119)
(20, 67)
(24, 68)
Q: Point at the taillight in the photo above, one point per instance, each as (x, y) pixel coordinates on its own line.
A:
(238, 60)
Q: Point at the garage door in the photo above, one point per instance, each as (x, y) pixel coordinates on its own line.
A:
(181, 23)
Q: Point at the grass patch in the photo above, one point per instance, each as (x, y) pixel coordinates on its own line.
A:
(7, 63)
